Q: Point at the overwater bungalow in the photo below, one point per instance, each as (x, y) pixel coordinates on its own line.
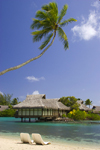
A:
(37, 106)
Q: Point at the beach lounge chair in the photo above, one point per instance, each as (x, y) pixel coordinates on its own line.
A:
(25, 138)
(38, 139)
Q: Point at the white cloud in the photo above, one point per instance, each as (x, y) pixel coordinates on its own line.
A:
(88, 28)
(32, 78)
(96, 4)
(35, 93)
(1, 92)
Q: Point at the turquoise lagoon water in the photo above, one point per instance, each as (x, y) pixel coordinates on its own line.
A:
(65, 133)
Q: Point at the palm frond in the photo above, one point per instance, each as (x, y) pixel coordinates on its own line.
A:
(46, 41)
(41, 15)
(67, 21)
(54, 7)
(52, 10)
(40, 24)
(45, 7)
(51, 6)
(63, 37)
(36, 23)
(48, 16)
(62, 13)
(38, 34)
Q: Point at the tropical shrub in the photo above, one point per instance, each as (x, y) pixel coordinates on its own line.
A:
(92, 116)
(63, 115)
(7, 113)
(70, 101)
(77, 114)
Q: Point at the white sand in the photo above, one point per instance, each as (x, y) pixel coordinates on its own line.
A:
(16, 144)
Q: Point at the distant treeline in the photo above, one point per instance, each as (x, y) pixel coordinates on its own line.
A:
(71, 102)
(6, 99)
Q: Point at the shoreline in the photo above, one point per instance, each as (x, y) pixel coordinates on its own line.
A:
(16, 144)
(61, 135)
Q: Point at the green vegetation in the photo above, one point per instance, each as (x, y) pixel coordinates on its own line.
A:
(64, 116)
(70, 101)
(82, 115)
(77, 114)
(7, 113)
(88, 102)
(47, 21)
(92, 116)
(6, 100)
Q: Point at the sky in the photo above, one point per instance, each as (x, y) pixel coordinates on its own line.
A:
(58, 73)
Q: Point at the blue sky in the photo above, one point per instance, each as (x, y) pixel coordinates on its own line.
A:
(75, 72)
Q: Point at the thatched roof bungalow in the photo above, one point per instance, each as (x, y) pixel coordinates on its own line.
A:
(82, 106)
(3, 107)
(37, 106)
(96, 109)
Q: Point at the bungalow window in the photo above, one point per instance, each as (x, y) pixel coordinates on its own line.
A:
(39, 112)
(35, 112)
(31, 112)
(23, 112)
(51, 112)
(45, 112)
(48, 112)
(27, 112)
(19, 112)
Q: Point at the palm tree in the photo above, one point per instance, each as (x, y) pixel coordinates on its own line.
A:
(88, 102)
(47, 22)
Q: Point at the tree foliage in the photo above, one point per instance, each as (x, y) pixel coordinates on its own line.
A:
(6, 99)
(88, 102)
(92, 116)
(82, 115)
(15, 101)
(70, 101)
(46, 23)
(77, 114)
(7, 113)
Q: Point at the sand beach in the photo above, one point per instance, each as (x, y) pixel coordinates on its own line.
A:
(15, 144)
(62, 136)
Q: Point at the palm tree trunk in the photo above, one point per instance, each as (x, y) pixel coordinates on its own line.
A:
(28, 61)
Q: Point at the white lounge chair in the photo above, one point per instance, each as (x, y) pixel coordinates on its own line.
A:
(25, 138)
(38, 139)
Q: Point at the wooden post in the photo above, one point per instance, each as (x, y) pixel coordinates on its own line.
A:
(29, 119)
(21, 119)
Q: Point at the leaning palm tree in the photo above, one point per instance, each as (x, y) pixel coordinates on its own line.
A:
(47, 22)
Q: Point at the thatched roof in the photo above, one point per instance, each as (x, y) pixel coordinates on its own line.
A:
(3, 107)
(82, 106)
(38, 96)
(96, 109)
(39, 101)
